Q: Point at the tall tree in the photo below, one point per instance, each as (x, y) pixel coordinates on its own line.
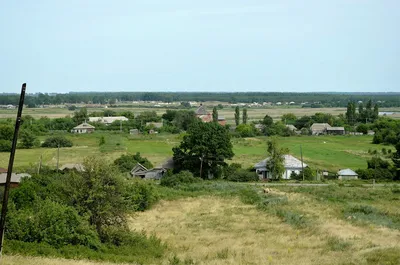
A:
(237, 115)
(375, 114)
(396, 161)
(203, 149)
(215, 114)
(351, 113)
(80, 116)
(275, 163)
(28, 139)
(244, 116)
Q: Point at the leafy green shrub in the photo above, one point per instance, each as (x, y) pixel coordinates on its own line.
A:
(5, 146)
(55, 141)
(183, 177)
(231, 169)
(243, 175)
(52, 223)
(140, 194)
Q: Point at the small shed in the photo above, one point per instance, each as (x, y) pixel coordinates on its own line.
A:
(346, 174)
(15, 179)
(335, 130)
(134, 131)
(83, 128)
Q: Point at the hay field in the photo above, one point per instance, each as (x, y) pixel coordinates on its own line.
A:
(214, 230)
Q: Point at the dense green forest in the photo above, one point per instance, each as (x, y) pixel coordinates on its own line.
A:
(312, 99)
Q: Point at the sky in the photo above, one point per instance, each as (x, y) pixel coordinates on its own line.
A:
(207, 45)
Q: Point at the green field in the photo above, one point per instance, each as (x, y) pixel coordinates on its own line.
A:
(320, 152)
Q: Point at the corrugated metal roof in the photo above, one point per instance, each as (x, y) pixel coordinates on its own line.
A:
(320, 126)
(335, 129)
(289, 162)
(347, 172)
(84, 126)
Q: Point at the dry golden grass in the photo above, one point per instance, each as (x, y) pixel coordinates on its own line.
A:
(21, 260)
(213, 230)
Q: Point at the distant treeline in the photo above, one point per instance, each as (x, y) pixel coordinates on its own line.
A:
(311, 99)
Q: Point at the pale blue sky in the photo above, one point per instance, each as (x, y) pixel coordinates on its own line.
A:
(207, 45)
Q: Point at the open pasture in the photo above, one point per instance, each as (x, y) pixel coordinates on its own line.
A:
(320, 152)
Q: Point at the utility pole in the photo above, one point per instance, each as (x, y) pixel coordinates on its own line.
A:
(201, 165)
(40, 164)
(302, 165)
(10, 167)
(58, 156)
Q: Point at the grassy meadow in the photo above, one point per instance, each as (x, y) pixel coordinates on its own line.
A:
(320, 152)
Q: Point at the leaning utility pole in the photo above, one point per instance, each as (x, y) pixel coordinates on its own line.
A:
(302, 165)
(10, 167)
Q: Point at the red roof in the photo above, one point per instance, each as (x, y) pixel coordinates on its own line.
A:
(3, 170)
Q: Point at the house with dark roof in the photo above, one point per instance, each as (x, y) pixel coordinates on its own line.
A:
(155, 173)
(291, 164)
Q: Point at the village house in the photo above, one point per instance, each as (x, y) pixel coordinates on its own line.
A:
(319, 128)
(206, 116)
(108, 120)
(157, 172)
(291, 164)
(83, 128)
(346, 174)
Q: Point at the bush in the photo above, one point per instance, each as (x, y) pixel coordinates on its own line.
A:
(55, 141)
(140, 194)
(231, 169)
(183, 177)
(125, 163)
(51, 223)
(5, 146)
(243, 175)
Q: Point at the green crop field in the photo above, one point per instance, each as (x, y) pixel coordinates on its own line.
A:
(320, 152)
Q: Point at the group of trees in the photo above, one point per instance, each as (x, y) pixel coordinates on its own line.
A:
(309, 99)
(364, 115)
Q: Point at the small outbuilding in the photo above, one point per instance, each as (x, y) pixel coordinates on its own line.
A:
(346, 174)
(83, 128)
(336, 130)
(15, 179)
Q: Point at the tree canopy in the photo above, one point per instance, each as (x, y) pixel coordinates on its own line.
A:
(203, 149)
